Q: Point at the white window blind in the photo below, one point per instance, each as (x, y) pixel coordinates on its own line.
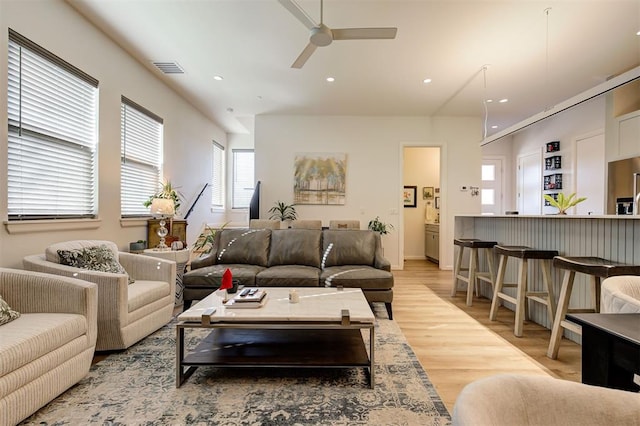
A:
(243, 181)
(52, 135)
(217, 182)
(140, 157)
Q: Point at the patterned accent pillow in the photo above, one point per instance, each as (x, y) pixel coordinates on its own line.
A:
(6, 313)
(98, 258)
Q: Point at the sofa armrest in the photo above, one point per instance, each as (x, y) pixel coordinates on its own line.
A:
(379, 261)
(148, 268)
(34, 292)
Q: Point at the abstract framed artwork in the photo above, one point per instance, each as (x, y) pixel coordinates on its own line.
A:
(409, 196)
(319, 178)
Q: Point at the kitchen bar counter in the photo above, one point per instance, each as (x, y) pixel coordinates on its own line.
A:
(611, 237)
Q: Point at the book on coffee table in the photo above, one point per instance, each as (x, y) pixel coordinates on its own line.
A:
(250, 295)
(237, 303)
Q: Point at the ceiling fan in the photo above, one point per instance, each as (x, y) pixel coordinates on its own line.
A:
(321, 35)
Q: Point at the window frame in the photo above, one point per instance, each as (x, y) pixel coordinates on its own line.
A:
(235, 181)
(218, 177)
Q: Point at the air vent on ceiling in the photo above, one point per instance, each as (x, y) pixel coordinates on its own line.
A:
(169, 67)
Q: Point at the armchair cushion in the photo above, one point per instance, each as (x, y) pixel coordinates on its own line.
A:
(95, 258)
(6, 313)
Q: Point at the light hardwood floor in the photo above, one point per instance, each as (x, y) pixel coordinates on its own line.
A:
(457, 344)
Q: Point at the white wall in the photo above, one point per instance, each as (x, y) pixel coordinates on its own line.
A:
(565, 127)
(187, 133)
(374, 147)
(421, 168)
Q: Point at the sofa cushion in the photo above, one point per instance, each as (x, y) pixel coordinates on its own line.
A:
(289, 276)
(211, 276)
(295, 247)
(365, 277)
(51, 252)
(244, 246)
(34, 335)
(6, 313)
(95, 258)
(353, 247)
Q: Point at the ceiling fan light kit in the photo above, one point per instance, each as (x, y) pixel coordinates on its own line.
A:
(321, 35)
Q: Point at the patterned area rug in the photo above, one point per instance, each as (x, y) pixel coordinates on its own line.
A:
(137, 387)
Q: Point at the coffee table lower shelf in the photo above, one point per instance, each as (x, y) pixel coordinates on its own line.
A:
(300, 348)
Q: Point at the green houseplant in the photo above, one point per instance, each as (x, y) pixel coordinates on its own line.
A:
(379, 226)
(563, 203)
(283, 211)
(204, 242)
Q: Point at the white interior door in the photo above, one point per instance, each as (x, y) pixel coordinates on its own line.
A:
(491, 191)
(530, 183)
(590, 174)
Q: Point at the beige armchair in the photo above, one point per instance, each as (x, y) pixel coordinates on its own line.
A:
(50, 346)
(126, 312)
(514, 399)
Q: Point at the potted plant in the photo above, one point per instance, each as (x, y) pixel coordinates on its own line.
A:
(138, 246)
(563, 203)
(204, 242)
(379, 226)
(166, 191)
(283, 211)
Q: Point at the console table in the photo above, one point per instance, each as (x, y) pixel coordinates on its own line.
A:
(610, 349)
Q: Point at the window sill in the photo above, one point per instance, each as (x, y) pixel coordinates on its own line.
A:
(27, 226)
(134, 221)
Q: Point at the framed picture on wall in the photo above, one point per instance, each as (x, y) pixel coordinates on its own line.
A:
(410, 195)
(427, 193)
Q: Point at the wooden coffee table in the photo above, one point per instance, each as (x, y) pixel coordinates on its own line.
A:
(323, 330)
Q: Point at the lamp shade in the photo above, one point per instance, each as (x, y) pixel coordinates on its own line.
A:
(162, 207)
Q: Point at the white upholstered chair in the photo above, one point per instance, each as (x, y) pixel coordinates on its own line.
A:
(344, 224)
(620, 295)
(126, 312)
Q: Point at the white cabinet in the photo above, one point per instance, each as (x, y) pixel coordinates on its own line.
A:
(432, 242)
(629, 135)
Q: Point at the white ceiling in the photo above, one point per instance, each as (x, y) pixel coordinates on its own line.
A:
(536, 59)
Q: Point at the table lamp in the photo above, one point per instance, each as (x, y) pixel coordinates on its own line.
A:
(162, 208)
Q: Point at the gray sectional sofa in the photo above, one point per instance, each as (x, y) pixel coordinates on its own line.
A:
(294, 258)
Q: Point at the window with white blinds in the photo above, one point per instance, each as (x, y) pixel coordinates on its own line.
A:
(140, 157)
(217, 181)
(243, 181)
(52, 135)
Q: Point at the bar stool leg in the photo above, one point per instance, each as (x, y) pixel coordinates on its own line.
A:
(563, 305)
(495, 302)
(521, 300)
(473, 258)
(456, 270)
(546, 279)
(489, 253)
(476, 281)
(595, 292)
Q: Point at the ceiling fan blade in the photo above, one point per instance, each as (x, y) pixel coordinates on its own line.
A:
(304, 56)
(297, 11)
(364, 33)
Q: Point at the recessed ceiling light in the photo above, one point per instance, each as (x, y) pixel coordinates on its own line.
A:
(503, 100)
(331, 79)
(638, 33)
(494, 127)
(426, 81)
(217, 78)
(489, 101)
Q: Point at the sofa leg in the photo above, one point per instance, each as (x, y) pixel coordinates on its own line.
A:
(389, 312)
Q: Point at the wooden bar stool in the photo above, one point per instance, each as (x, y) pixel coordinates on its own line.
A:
(523, 254)
(473, 274)
(597, 268)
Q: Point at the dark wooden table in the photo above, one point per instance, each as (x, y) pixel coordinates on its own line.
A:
(610, 349)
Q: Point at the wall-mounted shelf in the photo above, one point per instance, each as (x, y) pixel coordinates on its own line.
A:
(552, 182)
(553, 163)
